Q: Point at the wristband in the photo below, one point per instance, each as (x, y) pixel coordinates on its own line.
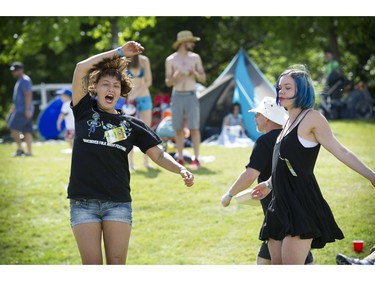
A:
(119, 52)
(268, 185)
(229, 195)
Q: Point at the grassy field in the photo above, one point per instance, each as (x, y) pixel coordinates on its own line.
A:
(173, 224)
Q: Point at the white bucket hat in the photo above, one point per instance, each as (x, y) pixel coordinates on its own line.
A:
(185, 36)
(269, 109)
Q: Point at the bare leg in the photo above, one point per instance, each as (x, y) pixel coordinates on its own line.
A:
(116, 241)
(131, 159)
(262, 261)
(70, 141)
(294, 250)
(29, 142)
(274, 246)
(196, 140)
(88, 237)
(180, 143)
(16, 137)
(146, 117)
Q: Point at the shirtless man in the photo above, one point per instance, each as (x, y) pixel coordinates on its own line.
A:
(182, 70)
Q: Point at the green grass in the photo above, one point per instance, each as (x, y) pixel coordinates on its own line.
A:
(174, 224)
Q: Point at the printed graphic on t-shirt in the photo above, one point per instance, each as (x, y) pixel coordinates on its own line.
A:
(112, 133)
(94, 123)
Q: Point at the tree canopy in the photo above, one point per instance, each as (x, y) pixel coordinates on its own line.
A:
(50, 47)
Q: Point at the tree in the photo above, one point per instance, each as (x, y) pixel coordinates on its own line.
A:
(50, 47)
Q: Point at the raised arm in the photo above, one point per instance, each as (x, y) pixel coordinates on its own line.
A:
(129, 49)
(148, 73)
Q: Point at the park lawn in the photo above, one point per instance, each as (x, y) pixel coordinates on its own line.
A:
(173, 224)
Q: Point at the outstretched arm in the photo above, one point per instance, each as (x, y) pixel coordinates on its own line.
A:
(246, 179)
(167, 162)
(129, 49)
(325, 137)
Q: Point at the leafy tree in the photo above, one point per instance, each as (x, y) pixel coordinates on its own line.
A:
(50, 47)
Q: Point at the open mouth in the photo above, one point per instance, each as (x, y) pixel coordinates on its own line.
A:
(109, 98)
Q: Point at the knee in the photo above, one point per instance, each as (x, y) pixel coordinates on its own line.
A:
(119, 260)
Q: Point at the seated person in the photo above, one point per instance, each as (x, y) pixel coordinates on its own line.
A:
(233, 133)
(234, 118)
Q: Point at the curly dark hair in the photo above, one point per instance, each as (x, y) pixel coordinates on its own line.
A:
(113, 67)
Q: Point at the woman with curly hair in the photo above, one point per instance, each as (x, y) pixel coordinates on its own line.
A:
(99, 186)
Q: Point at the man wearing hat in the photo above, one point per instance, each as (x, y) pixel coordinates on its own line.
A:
(21, 113)
(66, 114)
(183, 69)
(270, 119)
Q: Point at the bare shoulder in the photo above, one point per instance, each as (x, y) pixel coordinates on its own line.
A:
(314, 116)
(171, 57)
(144, 61)
(144, 58)
(193, 55)
(311, 124)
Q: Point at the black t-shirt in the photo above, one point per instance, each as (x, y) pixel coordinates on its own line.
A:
(100, 168)
(261, 159)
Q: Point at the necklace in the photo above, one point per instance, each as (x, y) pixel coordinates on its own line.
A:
(282, 135)
(284, 132)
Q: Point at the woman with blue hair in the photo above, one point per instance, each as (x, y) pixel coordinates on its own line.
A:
(298, 217)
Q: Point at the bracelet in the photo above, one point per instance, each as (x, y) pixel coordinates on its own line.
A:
(268, 185)
(119, 52)
(229, 195)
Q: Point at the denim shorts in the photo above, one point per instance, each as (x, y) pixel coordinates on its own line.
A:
(92, 210)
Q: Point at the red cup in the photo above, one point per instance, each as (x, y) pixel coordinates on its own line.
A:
(358, 245)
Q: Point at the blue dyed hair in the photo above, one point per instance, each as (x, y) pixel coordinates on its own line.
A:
(305, 94)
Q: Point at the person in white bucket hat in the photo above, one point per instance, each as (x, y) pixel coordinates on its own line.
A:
(269, 109)
(269, 118)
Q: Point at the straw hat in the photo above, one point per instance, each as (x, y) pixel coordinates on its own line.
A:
(185, 36)
(269, 109)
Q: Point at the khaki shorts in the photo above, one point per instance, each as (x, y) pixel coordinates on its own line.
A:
(185, 104)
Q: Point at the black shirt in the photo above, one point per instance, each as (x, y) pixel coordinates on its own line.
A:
(261, 160)
(100, 168)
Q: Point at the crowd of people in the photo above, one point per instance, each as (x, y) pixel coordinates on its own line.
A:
(297, 218)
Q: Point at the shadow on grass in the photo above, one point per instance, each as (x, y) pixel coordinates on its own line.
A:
(154, 172)
(201, 171)
(149, 173)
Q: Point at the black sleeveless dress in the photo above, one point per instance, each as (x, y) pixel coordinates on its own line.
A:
(297, 207)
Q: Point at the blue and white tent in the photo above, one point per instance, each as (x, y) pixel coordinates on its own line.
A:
(241, 82)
